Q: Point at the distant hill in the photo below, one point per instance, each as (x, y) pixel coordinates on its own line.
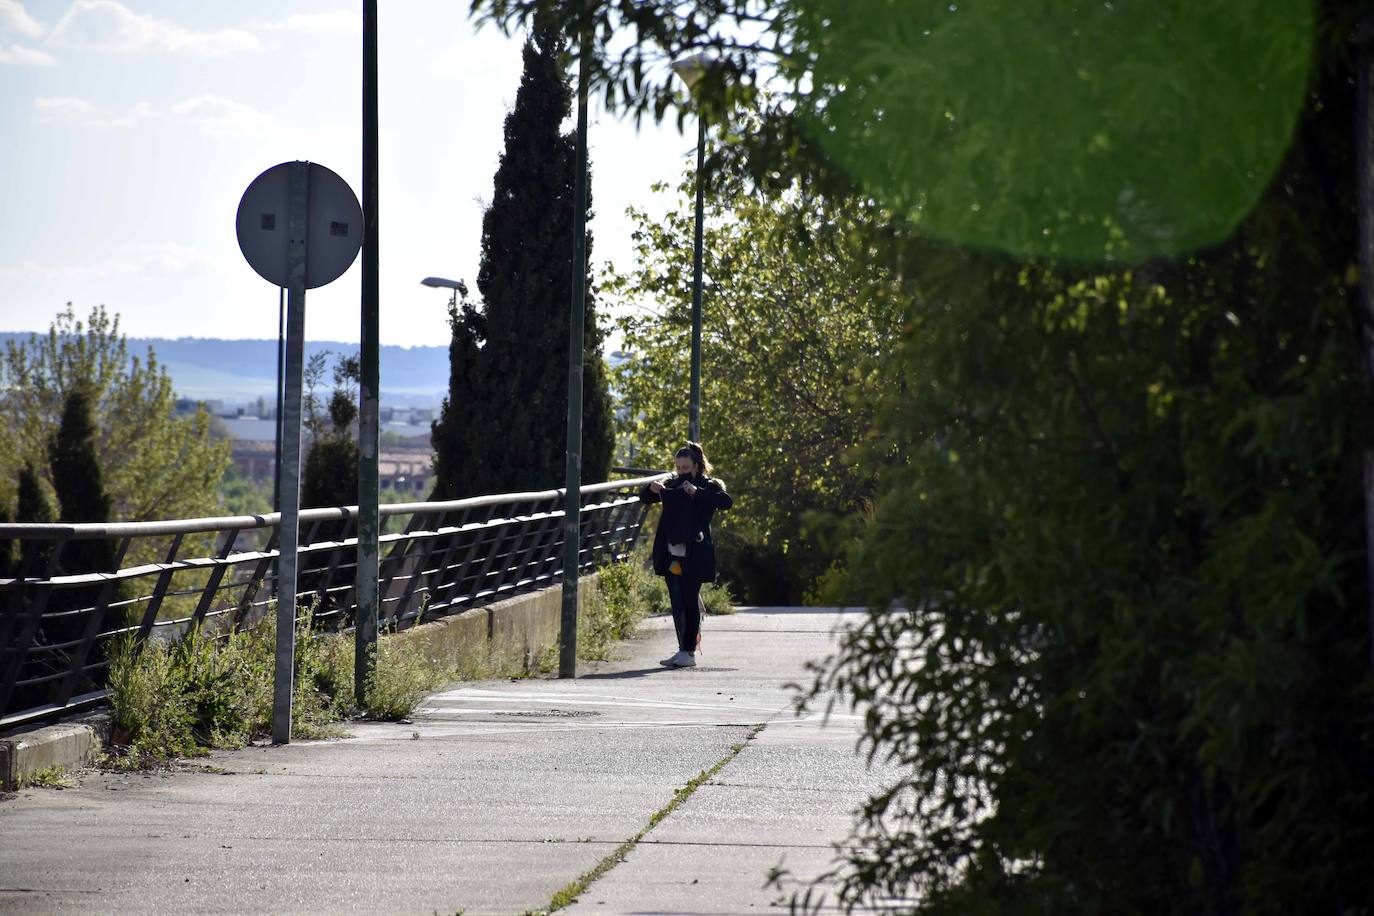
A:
(242, 370)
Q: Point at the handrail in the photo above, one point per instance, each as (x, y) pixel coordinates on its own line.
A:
(88, 530)
(58, 618)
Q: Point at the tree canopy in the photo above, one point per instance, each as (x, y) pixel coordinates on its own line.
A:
(156, 464)
(797, 314)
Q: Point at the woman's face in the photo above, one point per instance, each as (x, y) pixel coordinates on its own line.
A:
(684, 465)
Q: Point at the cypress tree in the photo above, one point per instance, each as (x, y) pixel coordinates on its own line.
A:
(81, 497)
(32, 506)
(503, 426)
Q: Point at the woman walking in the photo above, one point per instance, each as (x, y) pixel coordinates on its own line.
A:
(684, 554)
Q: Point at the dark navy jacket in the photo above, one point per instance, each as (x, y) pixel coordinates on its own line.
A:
(684, 517)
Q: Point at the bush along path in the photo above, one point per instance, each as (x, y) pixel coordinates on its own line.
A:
(214, 691)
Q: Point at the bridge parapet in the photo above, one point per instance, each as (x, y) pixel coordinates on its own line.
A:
(167, 577)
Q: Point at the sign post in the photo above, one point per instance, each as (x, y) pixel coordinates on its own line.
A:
(299, 226)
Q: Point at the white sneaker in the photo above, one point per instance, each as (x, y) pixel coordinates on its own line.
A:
(680, 660)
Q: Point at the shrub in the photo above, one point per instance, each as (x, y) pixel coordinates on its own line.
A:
(718, 598)
(209, 691)
(152, 712)
(400, 680)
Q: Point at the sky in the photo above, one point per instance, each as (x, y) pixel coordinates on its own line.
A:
(129, 130)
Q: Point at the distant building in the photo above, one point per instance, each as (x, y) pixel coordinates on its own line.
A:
(255, 460)
(404, 468)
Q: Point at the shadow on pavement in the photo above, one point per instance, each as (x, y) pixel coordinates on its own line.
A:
(621, 675)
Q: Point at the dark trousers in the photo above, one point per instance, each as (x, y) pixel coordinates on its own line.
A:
(682, 593)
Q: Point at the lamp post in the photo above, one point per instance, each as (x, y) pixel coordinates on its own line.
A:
(690, 70)
(577, 309)
(441, 283)
(366, 570)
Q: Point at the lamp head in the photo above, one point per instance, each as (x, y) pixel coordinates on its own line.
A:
(440, 283)
(691, 69)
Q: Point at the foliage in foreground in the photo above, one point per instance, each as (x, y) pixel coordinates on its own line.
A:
(1123, 505)
(1135, 677)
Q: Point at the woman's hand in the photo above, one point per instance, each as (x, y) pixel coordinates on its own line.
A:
(655, 487)
(689, 488)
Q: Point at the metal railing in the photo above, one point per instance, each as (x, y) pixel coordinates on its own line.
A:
(167, 577)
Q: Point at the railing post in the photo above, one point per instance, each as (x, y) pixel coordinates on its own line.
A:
(421, 564)
(164, 581)
(207, 597)
(19, 649)
(63, 689)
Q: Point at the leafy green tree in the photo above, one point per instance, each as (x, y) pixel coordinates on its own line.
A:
(795, 319)
(503, 424)
(241, 495)
(329, 476)
(1121, 503)
(1128, 528)
(155, 463)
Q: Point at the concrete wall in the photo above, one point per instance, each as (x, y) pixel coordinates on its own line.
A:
(525, 625)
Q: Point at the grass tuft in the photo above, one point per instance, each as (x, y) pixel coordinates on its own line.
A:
(53, 777)
(569, 895)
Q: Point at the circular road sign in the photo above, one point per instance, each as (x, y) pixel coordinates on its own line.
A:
(334, 225)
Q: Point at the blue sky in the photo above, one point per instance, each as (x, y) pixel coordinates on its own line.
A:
(131, 127)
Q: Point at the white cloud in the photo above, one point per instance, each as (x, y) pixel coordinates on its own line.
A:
(15, 18)
(106, 25)
(145, 259)
(71, 108)
(64, 107)
(211, 114)
(26, 57)
(218, 116)
(339, 22)
(158, 258)
(134, 116)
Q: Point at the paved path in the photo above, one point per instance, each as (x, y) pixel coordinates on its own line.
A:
(498, 795)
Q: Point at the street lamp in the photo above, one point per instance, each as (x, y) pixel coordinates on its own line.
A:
(441, 283)
(690, 70)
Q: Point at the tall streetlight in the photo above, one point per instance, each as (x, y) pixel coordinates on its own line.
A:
(690, 70)
(441, 283)
(365, 573)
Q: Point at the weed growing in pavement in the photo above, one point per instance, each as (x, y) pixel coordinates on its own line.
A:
(53, 777)
(568, 895)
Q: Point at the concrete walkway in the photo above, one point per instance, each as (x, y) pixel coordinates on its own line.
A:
(496, 797)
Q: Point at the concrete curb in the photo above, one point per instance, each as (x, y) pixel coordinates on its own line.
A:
(69, 745)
